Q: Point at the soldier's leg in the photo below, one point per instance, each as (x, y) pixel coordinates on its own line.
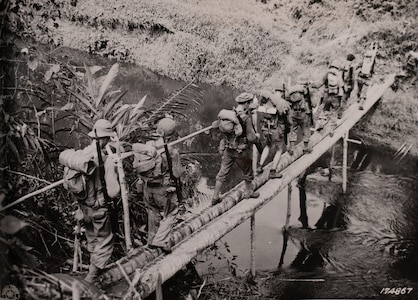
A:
(263, 158)
(264, 153)
(245, 162)
(340, 107)
(162, 237)
(104, 246)
(153, 212)
(226, 165)
(279, 143)
(306, 133)
(293, 134)
(363, 94)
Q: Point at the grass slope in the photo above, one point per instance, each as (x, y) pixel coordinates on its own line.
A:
(251, 45)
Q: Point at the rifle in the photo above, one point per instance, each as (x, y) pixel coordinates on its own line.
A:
(309, 100)
(176, 180)
(113, 215)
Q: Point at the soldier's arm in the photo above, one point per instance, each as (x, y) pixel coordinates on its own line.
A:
(176, 162)
(111, 178)
(251, 134)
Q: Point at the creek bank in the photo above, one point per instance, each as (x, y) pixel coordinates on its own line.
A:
(249, 45)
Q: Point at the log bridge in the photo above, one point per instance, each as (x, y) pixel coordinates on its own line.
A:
(141, 273)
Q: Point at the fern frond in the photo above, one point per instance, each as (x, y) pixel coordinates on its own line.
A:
(186, 99)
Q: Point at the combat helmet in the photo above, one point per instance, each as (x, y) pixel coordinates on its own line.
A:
(166, 127)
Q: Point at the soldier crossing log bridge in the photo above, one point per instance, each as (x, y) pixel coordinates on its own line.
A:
(200, 232)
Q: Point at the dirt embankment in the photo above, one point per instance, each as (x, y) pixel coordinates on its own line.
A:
(252, 44)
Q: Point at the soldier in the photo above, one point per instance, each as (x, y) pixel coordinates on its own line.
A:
(239, 134)
(159, 167)
(365, 74)
(275, 123)
(332, 99)
(300, 116)
(348, 77)
(99, 190)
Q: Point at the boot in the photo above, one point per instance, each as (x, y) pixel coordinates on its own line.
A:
(306, 148)
(291, 148)
(216, 198)
(275, 174)
(92, 274)
(361, 103)
(249, 191)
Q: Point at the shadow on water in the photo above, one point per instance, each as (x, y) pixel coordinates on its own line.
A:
(369, 246)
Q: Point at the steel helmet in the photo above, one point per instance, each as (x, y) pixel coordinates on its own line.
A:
(244, 97)
(166, 127)
(103, 128)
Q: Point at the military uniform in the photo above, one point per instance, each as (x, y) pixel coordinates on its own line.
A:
(95, 214)
(300, 116)
(333, 97)
(237, 149)
(157, 186)
(274, 120)
(348, 77)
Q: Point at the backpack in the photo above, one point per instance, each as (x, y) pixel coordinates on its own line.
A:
(368, 64)
(147, 160)
(297, 93)
(76, 183)
(78, 166)
(334, 81)
(229, 122)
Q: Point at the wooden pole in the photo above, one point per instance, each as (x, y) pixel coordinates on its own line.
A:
(345, 148)
(76, 247)
(331, 163)
(159, 288)
(289, 204)
(21, 199)
(124, 196)
(76, 290)
(253, 245)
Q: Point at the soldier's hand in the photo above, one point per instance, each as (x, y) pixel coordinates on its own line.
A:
(79, 215)
(171, 189)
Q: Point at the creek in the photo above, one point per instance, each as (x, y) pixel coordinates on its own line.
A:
(379, 226)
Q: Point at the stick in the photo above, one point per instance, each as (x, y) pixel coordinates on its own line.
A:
(76, 245)
(128, 154)
(124, 196)
(21, 199)
(28, 176)
(122, 156)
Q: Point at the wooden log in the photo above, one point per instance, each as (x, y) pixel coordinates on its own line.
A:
(232, 210)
